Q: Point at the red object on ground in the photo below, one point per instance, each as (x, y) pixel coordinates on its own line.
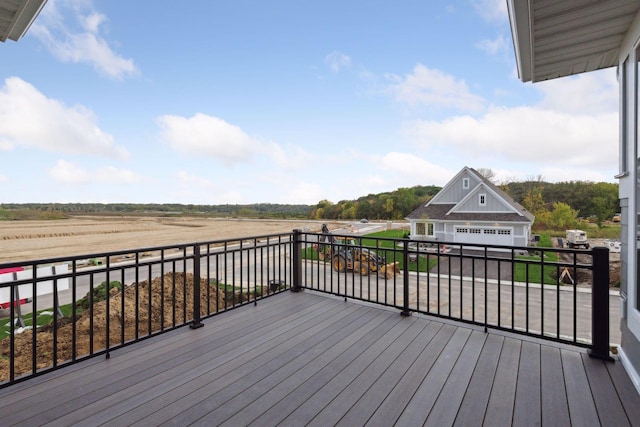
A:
(12, 270)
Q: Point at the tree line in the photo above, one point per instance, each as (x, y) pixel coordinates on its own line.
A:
(551, 203)
(60, 210)
(561, 205)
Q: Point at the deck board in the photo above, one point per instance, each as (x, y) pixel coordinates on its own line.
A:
(304, 358)
(581, 406)
(555, 408)
(502, 398)
(443, 413)
(604, 393)
(371, 400)
(527, 406)
(425, 396)
(474, 404)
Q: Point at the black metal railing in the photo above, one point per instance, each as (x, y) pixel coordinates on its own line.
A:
(96, 303)
(552, 293)
(90, 305)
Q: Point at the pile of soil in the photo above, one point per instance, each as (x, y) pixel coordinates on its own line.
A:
(160, 300)
(585, 277)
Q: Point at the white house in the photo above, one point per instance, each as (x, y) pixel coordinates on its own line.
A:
(560, 38)
(470, 209)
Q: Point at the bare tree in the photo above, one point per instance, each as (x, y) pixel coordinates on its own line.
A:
(487, 173)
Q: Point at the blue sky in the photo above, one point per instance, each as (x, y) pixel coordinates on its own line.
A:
(283, 101)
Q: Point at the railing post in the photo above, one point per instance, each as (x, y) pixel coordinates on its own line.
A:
(196, 323)
(405, 278)
(600, 305)
(296, 286)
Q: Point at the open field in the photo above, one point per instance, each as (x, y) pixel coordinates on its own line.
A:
(29, 240)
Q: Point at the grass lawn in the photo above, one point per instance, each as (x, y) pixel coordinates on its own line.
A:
(43, 317)
(536, 273)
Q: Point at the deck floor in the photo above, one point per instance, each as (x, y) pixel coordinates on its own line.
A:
(307, 359)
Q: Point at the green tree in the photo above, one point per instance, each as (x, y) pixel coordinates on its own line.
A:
(562, 217)
(533, 201)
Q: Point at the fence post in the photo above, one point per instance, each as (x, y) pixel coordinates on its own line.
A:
(600, 305)
(196, 289)
(405, 278)
(296, 286)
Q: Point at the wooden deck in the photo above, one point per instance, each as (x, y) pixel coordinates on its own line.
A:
(307, 359)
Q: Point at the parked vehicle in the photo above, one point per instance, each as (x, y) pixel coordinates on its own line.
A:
(577, 239)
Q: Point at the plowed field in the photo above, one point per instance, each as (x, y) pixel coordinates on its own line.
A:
(29, 240)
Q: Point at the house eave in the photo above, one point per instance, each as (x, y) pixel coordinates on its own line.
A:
(16, 18)
(557, 39)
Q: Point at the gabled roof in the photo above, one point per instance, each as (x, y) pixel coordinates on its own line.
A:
(16, 17)
(435, 210)
(561, 38)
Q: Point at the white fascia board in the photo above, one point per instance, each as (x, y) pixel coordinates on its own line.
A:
(24, 17)
(520, 17)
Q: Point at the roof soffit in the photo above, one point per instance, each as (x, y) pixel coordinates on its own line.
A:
(16, 16)
(560, 38)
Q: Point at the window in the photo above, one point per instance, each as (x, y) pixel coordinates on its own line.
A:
(504, 232)
(430, 229)
(489, 231)
(475, 231)
(420, 228)
(483, 199)
(465, 183)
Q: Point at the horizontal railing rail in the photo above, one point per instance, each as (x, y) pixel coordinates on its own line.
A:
(92, 304)
(542, 292)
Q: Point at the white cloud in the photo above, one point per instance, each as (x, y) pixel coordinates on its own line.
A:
(81, 41)
(204, 135)
(113, 175)
(434, 88)
(589, 93)
(406, 167)
(305, 193)
(526, 134)
(30, 119)
(337, 61)
(291, 158)
(210, 136)
(71, 173)
(496, 46)
(491, 10)
(575, 125)
(560, 174)
(190, 180)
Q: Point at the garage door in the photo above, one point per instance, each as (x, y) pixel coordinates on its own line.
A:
(484, 236)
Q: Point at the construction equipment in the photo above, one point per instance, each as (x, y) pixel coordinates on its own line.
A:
(345, 254)
(577, 239)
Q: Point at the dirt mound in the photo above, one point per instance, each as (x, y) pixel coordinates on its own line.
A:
(155, 308)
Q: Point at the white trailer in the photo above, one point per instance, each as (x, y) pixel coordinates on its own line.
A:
(577, 239)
